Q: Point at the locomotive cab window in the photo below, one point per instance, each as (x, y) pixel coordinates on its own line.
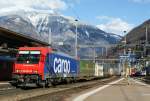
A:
(28, 57)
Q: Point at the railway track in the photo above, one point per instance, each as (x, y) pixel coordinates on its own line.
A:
(143, 79)
(13, 94)
(5, 86)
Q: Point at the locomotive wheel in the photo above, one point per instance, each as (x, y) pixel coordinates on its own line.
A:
(74, 80)
(15, 85)
(67, 80)
(53, 82)
(46, 84)
(24, 86)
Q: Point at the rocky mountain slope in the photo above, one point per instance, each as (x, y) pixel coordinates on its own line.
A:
(138, 34)
(60, 28)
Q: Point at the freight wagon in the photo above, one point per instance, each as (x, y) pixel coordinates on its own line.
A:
(42, 66)
(99, 70)
(86, 69)
(111, 69)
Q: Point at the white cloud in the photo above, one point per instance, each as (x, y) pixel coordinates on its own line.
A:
(38, 4)
(141, 1)
(114, 25)
(105, 18)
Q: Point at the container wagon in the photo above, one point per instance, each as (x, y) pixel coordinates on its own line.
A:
(99, 70)
(86, 69)
(111, 69)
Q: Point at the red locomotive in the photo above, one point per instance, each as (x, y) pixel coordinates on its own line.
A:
(40, 65)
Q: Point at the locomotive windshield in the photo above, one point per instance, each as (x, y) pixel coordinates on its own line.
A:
(28, 57)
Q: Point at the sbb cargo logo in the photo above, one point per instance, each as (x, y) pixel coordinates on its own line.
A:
(61, 65)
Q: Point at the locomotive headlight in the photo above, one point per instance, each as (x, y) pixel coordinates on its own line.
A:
(35, 71)
(17, 71)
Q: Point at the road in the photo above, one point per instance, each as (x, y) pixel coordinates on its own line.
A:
(118, 91)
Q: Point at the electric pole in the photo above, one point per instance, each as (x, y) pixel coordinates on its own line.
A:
(50, 37)
(146, 40)
(76, 40)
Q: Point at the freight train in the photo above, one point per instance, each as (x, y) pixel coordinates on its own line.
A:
(43, 66)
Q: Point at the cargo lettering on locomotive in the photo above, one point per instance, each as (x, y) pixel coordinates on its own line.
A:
(61, 65)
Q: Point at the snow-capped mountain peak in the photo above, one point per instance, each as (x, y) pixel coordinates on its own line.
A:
(62, 29)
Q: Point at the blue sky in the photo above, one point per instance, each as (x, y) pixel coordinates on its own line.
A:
(103, 13)
(132, 11)
(109, 15)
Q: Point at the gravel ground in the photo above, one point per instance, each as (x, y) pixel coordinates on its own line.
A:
(5, 84)
(65, 94)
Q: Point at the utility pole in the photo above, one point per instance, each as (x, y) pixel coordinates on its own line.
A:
(146, 35)
(102, 55)
(125, 42)
(76, 40)
(50, 37)
(106, 51)
(146, 40)
(94, 50)
(146, 43)
(102, 51)
(124, 64)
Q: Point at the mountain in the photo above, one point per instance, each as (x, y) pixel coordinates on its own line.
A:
(60, 28)
(18, 24)
(138, 34)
